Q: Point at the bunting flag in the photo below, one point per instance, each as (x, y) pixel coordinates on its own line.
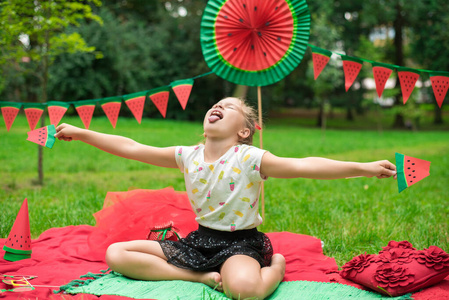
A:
(351, 69)
(182, 89)
(407, 78)
(320, 58)
(136, 103)
(33, 112)
(111, 107)
(160, 99)
(381, 74)
(440, 84)
(56, 110)
(9, 112)
(85, 110)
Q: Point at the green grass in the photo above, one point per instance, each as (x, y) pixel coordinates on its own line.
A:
(351, 216)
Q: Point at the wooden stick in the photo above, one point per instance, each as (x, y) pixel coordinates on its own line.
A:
(259, 104)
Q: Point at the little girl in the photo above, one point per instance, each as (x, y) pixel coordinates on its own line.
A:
(223, 178)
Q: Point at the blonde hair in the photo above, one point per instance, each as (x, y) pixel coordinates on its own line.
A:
(250, 115)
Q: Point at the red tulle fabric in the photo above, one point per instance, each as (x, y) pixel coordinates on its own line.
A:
(131, 215)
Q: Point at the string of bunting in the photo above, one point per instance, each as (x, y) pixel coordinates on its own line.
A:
(110, 105)
(381, 72)
(182, 89)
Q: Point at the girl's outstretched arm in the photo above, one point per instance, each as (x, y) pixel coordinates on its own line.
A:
(323, 168)
(120, 146)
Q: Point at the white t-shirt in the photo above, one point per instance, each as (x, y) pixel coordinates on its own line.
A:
(224, 194)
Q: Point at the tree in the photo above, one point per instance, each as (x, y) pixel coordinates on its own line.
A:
(33, 31)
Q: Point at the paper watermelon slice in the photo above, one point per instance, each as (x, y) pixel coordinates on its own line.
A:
(85, 110)
(320, 58)
(44, 136)
(111, 107)
(182, 89)
(381, 74)
(136, 103)
(56, 110)
(440, 85)
(18, 243)
(408, 79)
(410, 170)
(351, 68)
(33, 112)
(9, 112)
(160, 99)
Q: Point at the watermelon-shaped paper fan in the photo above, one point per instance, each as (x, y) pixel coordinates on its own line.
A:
(410, 170)
(254, 42)
(18, 243)
(44, 136)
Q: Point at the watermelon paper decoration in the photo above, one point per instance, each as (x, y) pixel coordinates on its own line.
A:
(44, 136)
(136, 103)
(351, 68)
(407, 78)
(320, 58)
(160, 99)
(182, 89)
(9, 112)
(257, 42)
(111, 107)
(381, 74)
(410, 170)
(33, 112)
(56, 110)
(18, 243)
(440, 84)
(85, 110)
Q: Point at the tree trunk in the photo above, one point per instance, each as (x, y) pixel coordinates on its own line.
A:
(438, 115)
(398, 25)
(40, 160)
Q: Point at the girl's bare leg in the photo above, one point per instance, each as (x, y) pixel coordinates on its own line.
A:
(145, 260)
(243, 278)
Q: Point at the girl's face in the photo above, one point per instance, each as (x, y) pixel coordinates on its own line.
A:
(225, 119)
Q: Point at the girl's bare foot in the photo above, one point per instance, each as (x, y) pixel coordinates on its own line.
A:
(212, 279)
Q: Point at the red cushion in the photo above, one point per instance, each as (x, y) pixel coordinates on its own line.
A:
(398, 269)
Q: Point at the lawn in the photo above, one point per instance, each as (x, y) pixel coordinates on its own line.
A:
(351, 216)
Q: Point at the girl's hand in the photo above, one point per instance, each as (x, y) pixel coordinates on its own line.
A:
(66, 132)
(381, 169)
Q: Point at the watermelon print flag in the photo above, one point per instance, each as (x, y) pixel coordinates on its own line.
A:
(410, 170)
(351, 68)
(182, 89)
(9, 112)
(136, 103)
(407, 78)
(320, 58)
(44, 136)
(440, 85)
(160, 99)
(33, 112)
(56, 110)
(85, 110)
(381, 74)
(111, 107)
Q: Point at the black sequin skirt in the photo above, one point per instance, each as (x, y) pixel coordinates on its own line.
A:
(207, 249)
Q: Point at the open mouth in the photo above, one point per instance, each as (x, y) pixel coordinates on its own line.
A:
(215, 116)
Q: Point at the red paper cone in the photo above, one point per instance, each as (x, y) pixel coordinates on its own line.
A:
(18, 244)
